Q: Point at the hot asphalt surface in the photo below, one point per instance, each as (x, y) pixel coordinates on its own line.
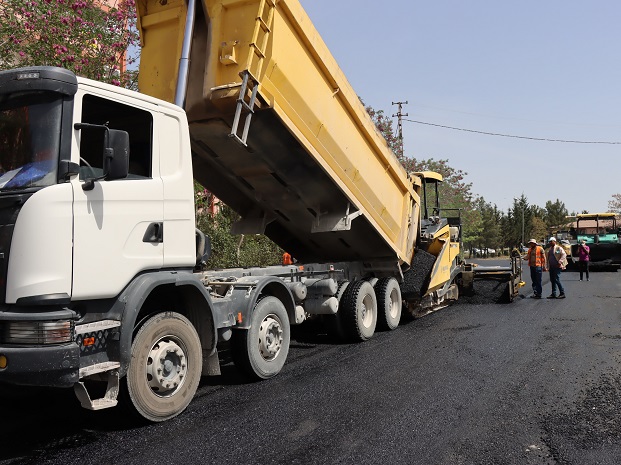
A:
(532, 382)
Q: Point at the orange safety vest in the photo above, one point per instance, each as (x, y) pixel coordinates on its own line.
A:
(539, 259)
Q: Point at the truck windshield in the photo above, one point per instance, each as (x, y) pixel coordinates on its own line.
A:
(30, 125)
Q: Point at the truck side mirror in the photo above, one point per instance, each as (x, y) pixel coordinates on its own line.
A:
(116, 155)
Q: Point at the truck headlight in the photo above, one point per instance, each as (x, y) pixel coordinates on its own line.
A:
(37, 332)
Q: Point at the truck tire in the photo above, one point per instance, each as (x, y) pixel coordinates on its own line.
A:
(389, 303)
(261, 351)
(359, 307)
(165, 367)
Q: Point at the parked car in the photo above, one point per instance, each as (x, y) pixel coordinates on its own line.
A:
(485, 252)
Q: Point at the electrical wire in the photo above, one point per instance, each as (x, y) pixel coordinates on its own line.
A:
(513, 136)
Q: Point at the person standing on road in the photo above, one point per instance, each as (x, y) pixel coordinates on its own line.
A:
(536, 259)
(583, 259)
(557, 261)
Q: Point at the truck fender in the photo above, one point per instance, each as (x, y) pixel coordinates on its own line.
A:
(138, 291)
(244, 299)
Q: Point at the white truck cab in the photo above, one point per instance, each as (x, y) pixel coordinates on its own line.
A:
(96, 228)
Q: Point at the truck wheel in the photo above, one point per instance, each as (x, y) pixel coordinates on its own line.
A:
(261, 351)
(389, 303)
(359, 307)
(165, 367)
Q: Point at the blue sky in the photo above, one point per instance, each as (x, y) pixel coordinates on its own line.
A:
(541, 69)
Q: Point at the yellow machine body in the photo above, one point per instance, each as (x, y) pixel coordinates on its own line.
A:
(446, 249)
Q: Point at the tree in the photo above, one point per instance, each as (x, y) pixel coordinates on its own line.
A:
(525, 221)
(455, 192)
(89, 37)
(555, 214)
(235, 251)
(384, 125)
(472, 235)
(517, 224)
(614, 205)
(539, 229)
(490, 233)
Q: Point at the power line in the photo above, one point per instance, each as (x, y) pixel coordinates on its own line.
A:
(513, 136)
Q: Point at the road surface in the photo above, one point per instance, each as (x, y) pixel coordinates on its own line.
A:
(533, 382)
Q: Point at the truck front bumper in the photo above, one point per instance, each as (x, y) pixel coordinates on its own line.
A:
(37, 348)
(53, 366)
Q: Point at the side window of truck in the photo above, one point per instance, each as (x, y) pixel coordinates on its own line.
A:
(138, 124)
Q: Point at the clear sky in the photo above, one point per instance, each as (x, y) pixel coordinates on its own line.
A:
(539, 69)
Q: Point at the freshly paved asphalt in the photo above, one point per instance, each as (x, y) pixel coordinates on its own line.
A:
(532, 382)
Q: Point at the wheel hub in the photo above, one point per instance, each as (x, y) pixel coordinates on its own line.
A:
(365, 311)
(394, 304)
(270, 337)
(166, 367)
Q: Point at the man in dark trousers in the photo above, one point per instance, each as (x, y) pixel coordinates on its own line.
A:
(557, 261)
(536, 259)
(583, 259)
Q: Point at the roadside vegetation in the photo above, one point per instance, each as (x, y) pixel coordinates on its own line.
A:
(486, 229)
(96, 39)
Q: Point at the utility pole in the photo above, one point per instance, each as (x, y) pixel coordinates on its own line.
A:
(399, 116)
(522, 225)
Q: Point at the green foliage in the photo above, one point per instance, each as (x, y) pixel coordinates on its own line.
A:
(203, 199)
(89, 37)
(484, 226)
(455, 192)
(489, 227)
(229, 251)
(539, 230)
(524, 221)
(517, 224)
(384, 125)
(555, 214)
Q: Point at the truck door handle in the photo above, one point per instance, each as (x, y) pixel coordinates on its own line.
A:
(154, 233)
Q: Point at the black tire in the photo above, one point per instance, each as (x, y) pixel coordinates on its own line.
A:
(165, 367)
(359, 310)
(261, 351)
(389, 303)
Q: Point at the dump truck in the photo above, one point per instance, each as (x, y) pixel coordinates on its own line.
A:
(104, 284)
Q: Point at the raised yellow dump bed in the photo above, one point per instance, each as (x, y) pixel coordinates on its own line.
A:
(297, 156)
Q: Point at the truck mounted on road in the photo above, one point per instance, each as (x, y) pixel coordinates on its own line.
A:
(102, 271)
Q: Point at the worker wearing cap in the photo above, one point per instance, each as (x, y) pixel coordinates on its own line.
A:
(557, 261)
(536, 259)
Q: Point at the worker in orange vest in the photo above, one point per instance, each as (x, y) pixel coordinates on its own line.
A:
(286, 259)
(536, 259)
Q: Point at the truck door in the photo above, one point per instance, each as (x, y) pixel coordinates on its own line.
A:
(118, 225)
